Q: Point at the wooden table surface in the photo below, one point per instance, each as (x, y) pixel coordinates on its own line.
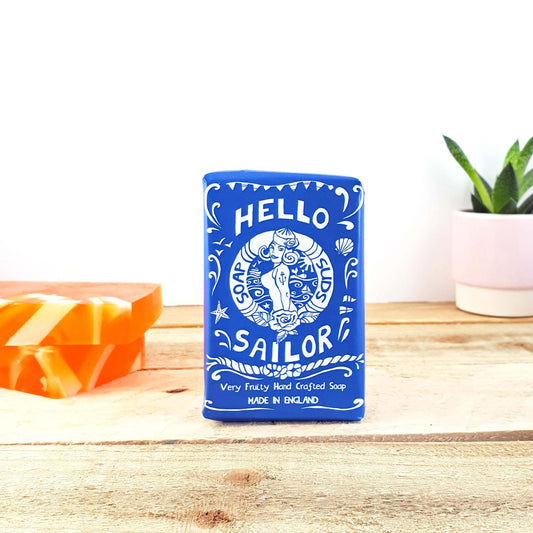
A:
(446, 444)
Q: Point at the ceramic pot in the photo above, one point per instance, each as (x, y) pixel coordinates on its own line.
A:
(492, 263)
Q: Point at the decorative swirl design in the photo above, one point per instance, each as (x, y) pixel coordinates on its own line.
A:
(340, 191)
(257, 292)
(358, 402)
(214, 274)
(263, 253)
(208, 403)
(296, 283)
(345, 222)
(219, 333)
(359, 189)
(347, 374)
(348, 223)
(290, 258)
(210, 213)
(350, 273)
(302, 299)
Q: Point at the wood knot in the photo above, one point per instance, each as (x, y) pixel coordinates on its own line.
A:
(211, 519)
(243, 478)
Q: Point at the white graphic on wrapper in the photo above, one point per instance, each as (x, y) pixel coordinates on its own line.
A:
(349, 271)
(210, 212)
(280, 280)
(208, 405)
(291, 370)
(224, 343)
(344, 246)
(340, 191)
(344, 330)
(220, 242)
(280, 187)
(219, 312)
(214, 274)
(358, 402)
(347, 300)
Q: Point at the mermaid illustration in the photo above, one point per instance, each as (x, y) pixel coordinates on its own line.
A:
(282, 253)
(281, 271)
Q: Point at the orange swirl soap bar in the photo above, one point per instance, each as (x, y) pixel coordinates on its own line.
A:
(60, 339)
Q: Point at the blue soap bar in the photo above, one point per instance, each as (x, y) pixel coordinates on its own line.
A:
(284, 297)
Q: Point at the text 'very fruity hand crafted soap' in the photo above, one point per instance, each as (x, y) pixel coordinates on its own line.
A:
(284, 297)
(60, 339)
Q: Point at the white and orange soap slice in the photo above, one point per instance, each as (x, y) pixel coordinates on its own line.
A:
(60, 339)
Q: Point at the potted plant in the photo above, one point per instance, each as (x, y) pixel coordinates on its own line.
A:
(492, 245)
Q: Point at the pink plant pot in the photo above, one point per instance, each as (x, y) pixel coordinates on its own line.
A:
(492, 263)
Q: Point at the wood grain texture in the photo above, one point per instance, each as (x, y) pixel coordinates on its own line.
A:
(376, 313)
(181, 316)
(446, 446)
(268, 488)
(424, 382)
(429, 313)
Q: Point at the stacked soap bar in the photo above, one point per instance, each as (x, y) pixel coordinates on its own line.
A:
(60, 339)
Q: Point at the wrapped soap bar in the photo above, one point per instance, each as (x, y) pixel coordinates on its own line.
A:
(284, 297)
(60, 339)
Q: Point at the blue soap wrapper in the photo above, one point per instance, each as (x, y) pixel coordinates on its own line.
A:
(284, 297)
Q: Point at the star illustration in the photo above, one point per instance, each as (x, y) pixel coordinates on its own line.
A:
(219, 313)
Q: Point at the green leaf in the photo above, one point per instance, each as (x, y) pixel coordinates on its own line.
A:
(526, 183)
(505, 188)
(512, 155)
(477, 205)
(461, 158)
(523, 160)
(526, 207)
(487, 186)
(509, 208)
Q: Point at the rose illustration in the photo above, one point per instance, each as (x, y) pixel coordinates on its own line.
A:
(284, 322)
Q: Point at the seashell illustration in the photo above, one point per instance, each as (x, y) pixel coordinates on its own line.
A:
(344, 246)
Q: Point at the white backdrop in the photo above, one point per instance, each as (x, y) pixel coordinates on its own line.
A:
(112, 111)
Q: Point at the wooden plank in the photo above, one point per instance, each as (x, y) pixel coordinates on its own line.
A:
(430, 313)
(169, 348)
(376, 313)
(182, 316)
(467, 382)
(175, 348)
(268, 488)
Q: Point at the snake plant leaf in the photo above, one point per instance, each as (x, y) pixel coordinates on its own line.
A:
(526, 207)
(513, 155)
(505, 188)
(461, 158)
(523, 160)
(526, 183)
(487, 186)
(509, 208)
(477, 205)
